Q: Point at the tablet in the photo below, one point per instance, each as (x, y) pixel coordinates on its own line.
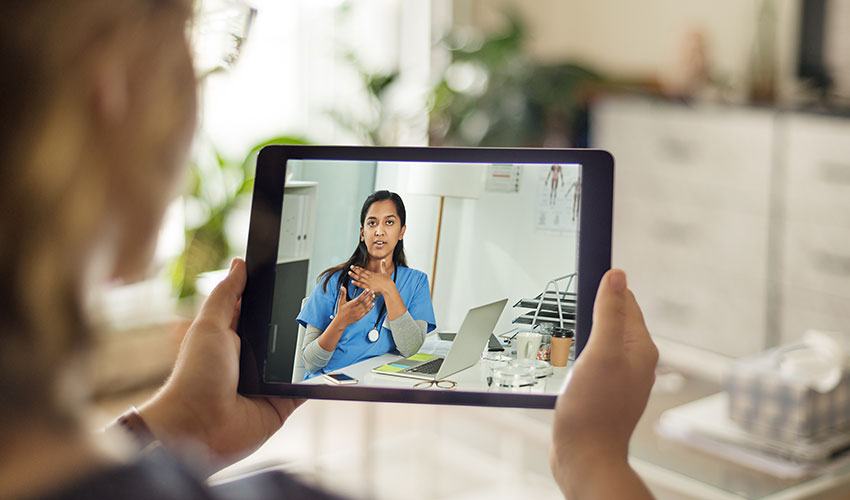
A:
(440, 238)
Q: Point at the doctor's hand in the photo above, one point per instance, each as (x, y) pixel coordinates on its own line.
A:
(380, 282)
(350, 311)
(199, 402)
(604, 399)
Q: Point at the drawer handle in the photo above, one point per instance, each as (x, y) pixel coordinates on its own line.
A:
(677, 150)
(834, 173)
(831, 263)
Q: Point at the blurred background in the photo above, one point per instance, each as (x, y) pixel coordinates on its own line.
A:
(730, 127)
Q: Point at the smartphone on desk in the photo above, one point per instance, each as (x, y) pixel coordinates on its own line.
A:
(340, 378)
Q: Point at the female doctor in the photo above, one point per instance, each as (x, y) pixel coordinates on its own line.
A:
(371, 304)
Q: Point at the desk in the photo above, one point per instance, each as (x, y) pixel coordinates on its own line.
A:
(473, 378)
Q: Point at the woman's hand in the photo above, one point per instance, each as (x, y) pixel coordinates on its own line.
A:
(351, 311)
(380, 282)
(347, 313)
(199, 401)
(604, 399)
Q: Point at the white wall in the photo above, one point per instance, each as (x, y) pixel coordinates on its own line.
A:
(641, 38)
(292, 72)
(342, 188)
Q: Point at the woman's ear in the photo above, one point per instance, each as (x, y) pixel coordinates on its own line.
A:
(401, 233)
(361, 233)
(110, 91)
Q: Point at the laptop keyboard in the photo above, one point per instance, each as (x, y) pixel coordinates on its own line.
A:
(429, 368)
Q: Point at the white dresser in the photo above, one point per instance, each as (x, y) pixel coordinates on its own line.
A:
(733, 223)
(814, 273)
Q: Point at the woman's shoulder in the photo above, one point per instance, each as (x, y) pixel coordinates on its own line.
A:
(155, 475)
(334, 273)
(158, 475)
(411, 274)
(331, 277)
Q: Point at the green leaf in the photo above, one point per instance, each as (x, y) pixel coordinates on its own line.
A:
(206, 246)
(378, 83)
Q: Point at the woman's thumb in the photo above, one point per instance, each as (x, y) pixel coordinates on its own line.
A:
(223, 300)
(610, 311)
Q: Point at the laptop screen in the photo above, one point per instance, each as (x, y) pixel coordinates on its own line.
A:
(376, 258)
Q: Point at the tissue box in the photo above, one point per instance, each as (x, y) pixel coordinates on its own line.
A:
(767, 402)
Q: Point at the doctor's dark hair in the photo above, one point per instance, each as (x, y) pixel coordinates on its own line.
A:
(360, 257)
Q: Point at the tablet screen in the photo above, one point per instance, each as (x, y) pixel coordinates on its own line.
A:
(436, 275)
(357, 291)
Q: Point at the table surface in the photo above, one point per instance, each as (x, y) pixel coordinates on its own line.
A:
(729, 480)
(676, 467)
(474, 378)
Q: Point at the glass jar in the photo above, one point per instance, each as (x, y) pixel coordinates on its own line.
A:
(540, 369)
(545, 331)
(511, 378)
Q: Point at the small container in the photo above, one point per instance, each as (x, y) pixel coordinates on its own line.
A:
(509, 378)
(527, 344)
(543, 353)
(540, 369)
(562, 341)
(545, 331)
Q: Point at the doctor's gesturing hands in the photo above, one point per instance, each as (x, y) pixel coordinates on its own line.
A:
(380, 282)
(348, 312)
(351, 311)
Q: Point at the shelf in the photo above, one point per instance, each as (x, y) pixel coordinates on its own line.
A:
(567, 305)
(545, 317)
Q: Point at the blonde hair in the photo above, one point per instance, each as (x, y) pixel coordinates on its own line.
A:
(55, 176)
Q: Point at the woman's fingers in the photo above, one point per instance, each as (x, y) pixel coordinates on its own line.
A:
(358, 280)
(366, 297)
(367, 307)
(363, 301)
(359, 273)
(360, 306)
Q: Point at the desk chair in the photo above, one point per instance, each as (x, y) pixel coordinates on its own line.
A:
(298, 369)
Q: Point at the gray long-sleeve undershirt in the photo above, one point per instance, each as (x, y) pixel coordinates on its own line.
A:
(408, 334)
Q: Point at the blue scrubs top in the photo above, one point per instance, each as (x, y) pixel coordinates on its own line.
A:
(354, 345)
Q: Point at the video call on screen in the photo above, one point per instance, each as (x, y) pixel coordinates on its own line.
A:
(496, 231)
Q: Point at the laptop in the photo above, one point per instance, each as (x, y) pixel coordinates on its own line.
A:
(465, 350)
(492, 345)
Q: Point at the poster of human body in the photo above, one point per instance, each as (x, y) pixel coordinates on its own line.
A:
(558, 199)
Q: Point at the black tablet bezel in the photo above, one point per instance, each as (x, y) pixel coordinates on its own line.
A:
(594, 251)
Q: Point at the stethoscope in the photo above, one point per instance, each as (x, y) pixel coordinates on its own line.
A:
(375, 333)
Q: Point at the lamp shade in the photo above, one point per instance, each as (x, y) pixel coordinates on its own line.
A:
(453, 180)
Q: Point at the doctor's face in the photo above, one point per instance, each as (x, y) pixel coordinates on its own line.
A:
(381, 230)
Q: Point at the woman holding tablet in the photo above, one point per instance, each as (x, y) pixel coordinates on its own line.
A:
(98, 101)
(372, 303)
